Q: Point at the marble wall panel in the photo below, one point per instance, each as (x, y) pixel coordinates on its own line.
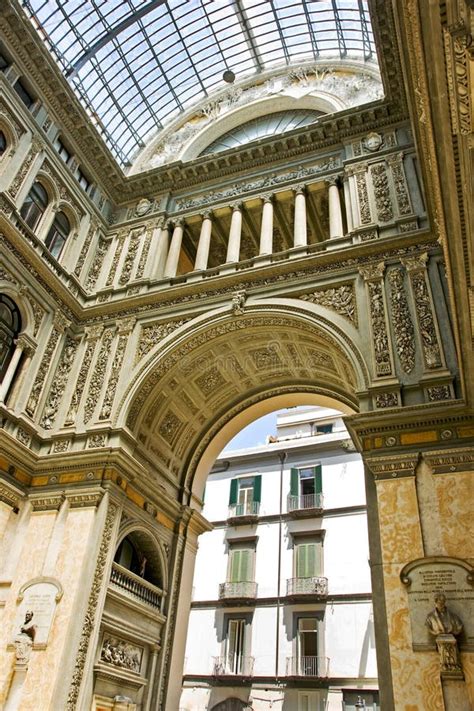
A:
(399, 521)
(455, 494)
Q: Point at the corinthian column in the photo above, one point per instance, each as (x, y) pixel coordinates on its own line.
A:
(301, 232)
(202, 254)
(266, 231)
(22, 344)
(171, 266)
(161, 239)
(335, 214)
(233, 248)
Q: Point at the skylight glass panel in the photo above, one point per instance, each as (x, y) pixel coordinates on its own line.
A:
(136, 64)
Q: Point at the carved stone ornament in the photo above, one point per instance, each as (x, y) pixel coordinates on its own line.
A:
(238, 302)
(96, 265)
(389, 399)
(96, 441)
(395, 162)
(340, 299)
(440, 593)
(404, 332)
(98, 375)
(151, 335)
(114, 376)
(33, 400)
(92, 606)
(92, 335)
(116, 258)
(363, 197)
(378, 322)
(373, 141)
(143, 207)
(383, 199)
(129, 261)
(36, 147)
(144, 254)
(438, 392)
(457, 42)
(59, 383)
(85, 248)
(122, 654)
(424, 312)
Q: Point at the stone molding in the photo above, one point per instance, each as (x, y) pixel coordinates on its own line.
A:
(449, 461)
(10, 494)
(398, 466)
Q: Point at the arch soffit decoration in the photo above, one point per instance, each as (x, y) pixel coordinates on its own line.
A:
(322, 98)
(24, 307)
(128, 527)
(223, 363)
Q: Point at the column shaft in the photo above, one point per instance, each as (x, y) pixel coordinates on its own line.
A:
(161, 238)
(301, 231)
(204, 245)
(233, 248)
(335, 213)
(266, 231)
(171, 266)
(10, 374)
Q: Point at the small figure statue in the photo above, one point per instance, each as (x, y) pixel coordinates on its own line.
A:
(24, 640)
(445, 626)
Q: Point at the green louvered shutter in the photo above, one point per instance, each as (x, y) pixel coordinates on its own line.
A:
(294, 482)
(235, 566)
(245, 566)
(318, 479)
(234, 487)
(241, 566)
(306, 560)
(257, 488)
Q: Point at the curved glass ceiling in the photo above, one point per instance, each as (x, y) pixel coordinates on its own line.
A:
(138, 64)
(269, 125)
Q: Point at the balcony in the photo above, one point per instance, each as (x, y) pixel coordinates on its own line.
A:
(135, 587)
(315, 586)
(238, 591)
(305, 505)
(232, 665)
(315, 667)
(244, 513)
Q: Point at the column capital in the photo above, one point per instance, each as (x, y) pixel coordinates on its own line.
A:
(299, 189)
(60, 322)
(333, 179)
(415, 264)
(206, 214)
(372, 272)
(179, 222)
(236, 206)
(26, 344)
(267, 197)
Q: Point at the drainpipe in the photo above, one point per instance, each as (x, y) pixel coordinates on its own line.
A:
(282, 457)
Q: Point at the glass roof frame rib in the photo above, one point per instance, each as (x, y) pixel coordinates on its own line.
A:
(136, 65)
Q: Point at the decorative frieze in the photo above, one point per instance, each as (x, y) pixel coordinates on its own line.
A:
(96, 265)
(38, 313)
(403, 330)
(23, 436)
(61, 445)
(340, 299)
(116, 258)
(92, 607)
(92, 334)
(451, 460)
(96, 441)
(170, 426)
(36, 147)
(457, 41)
(122, 654)
(401, 465)
(134, 243)
(124, 328)
(59, 383)
(373, 276)
(59, 325)
(388, 399)
(360, 173)
(383, 199)
(85, 248)
(151, 335)
(395, 162)
(98, 376)
(438, 392)
(416, 268)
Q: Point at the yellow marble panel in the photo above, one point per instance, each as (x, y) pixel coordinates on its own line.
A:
(39, 481)
(399, 521)
(165, 520)
(418, 437)
(467, 431)
(134, 496)
(455, 493)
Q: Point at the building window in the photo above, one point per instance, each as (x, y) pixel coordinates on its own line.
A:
(308, 701)
(34, 206)
(10, 326)
(307, 645)
(83, 181)
(306, 486)
(4, 63)
(355, 700)
(245, 496)
(322, 429)
(241, 565)
(307, 559)
(235, 646)
(3, 143)
(23, 93)
(58, 234)
(63, 152)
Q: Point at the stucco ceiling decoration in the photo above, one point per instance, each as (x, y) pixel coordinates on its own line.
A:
(137, 65)
(225, 364)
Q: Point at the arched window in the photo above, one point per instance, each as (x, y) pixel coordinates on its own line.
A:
(3, 143)
(34, 206)
(58, 234)
(10, 327)
(138, 554)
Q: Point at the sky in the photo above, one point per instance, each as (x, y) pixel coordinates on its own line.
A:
(258, 430)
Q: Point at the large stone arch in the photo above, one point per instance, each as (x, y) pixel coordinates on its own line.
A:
(223, 368)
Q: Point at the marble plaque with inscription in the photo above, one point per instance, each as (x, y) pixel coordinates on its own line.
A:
(40, 596)
(455, 579)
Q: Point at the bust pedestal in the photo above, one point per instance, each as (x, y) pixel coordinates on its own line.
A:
(449, 656)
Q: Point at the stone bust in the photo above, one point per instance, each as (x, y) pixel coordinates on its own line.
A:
(441, 620)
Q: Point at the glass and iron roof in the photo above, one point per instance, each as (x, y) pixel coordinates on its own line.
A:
(137, 64)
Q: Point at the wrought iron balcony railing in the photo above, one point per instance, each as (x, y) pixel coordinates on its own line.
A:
(236, 664)
(307, 586)
(247, 590)
(135, 587)
(250, 508)
(307, 666)
(305, 501)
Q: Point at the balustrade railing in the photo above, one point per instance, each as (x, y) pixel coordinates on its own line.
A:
(307, 666)
(237, 664)
(135, 587)
(250, 508)
(237, 590)
(307, 586)
(305, 501)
